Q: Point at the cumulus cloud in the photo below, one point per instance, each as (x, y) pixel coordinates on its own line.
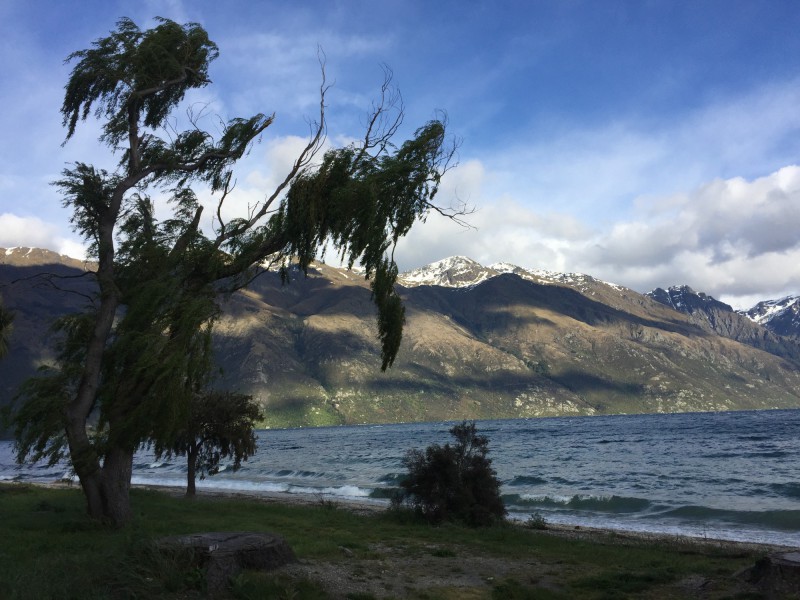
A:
(732, 238)
(32, 232)
(574, 200)
(499, 229)
(604, 168)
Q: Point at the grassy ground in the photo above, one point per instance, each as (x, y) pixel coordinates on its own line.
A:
(50, 549)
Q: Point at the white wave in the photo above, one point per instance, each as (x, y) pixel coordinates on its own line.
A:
(549, 498)
(345, 491)
(161, 481)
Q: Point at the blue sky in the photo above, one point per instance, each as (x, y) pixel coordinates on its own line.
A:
(647, 143)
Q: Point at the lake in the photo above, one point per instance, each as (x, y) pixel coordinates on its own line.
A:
(732, 475)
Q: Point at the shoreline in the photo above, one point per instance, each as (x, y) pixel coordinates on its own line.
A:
(563, 530)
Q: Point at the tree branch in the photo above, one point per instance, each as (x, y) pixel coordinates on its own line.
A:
(303, 160)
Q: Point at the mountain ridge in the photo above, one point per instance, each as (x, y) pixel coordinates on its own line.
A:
(480, 342)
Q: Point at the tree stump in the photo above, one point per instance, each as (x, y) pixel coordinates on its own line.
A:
(224, 554)
(778, 575)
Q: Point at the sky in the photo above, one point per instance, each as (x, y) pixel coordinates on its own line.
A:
(647, 143)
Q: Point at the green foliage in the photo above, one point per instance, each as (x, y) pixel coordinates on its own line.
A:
(454, 483)
(617, 583)
(39, 422)
(220, 425)
(536, 521)
(511, 589)
(131, 71)
(256, 586)
(38, 414)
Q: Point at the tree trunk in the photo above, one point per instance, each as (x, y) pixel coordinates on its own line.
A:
(106, 487)
(191, 471)
(117, 471)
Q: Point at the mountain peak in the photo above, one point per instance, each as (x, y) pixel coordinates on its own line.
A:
(780, 316)
(22, 256)
(684, 299)
(455, 271)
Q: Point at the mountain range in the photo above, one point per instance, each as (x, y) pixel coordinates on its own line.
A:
(480, 342)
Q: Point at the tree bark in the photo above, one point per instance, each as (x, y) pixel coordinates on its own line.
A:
(106, 487)
(191, 471)
(117, 471)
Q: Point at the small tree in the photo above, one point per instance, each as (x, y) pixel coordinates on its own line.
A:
(454, 483)
(221, 425)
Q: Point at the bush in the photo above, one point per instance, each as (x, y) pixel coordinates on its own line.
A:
(536, 521)
(454, 483)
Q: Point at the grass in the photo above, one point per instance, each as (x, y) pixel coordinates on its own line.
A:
(51, 549)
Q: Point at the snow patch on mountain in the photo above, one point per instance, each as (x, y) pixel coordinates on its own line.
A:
(463, 272)
(684, 299)
(455, 271)
(780, 316)
(767, 310)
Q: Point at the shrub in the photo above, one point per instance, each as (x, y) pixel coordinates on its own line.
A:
(536, 521)
(454, 483)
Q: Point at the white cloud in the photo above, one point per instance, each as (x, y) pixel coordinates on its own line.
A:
(32, 232)
(500, 229)
(602, 171)
(259, 175)
(26, 231)
(732, 238)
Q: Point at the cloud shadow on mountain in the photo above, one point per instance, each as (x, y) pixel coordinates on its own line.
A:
(506, 302)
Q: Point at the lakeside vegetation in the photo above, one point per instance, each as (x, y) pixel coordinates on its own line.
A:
(52, 549)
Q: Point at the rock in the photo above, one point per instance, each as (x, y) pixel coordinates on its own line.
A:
(224, 554)
(694, 584)
(777, 575)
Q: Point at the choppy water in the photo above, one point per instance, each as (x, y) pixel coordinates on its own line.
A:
(717, 475)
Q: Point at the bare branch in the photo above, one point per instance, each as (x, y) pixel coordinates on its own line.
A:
(455, 214)
(227, 188)
(380, 127)
(306, 156)
(49, 279)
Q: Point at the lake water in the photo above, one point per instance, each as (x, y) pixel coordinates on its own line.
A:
(718, 475)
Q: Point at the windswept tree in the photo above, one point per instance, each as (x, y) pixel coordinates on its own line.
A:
(221, 426)
(159, 278)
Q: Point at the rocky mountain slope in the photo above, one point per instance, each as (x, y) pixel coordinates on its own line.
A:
(717, 317)
(480, 342)
(779, 316)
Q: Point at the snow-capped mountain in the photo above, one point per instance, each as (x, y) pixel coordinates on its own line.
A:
(714, 316)
(456, 271)
(779, 316)
(463, 272)
(684, 299)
